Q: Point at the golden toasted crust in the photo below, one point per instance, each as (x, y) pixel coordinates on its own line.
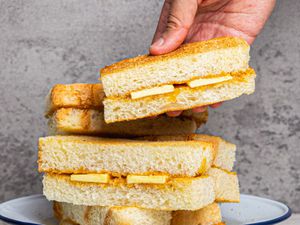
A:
(91, 122)
(81, 96)
(184, 50)
(207, 215)
(57, 210)
(210, 214)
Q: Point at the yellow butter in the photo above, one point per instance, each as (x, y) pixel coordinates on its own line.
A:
(206, 81)
(136, 179)
(152, 91)
(91, 178)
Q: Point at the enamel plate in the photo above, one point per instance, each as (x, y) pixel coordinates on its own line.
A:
(35, 209)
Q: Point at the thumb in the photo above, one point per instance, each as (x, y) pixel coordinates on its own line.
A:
(176, 18)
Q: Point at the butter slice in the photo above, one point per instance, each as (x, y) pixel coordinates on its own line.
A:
(152, 91)
(206, 81)
(91, 178)
(136, 179)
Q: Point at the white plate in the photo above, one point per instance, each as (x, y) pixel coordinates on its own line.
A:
(35, 209)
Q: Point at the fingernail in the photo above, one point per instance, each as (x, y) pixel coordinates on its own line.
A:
(158, 43)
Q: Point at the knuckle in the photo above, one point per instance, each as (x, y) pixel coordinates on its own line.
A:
(174, 22)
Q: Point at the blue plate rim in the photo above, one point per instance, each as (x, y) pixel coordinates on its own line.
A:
(269, 222)
(276, 220)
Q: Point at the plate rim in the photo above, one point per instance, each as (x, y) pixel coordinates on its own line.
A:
(18, 222)
(275, 220)
(269, 222)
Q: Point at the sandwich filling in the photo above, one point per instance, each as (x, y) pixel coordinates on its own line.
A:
(196, 83)
(152, 180)
(203, 81)
(130, 179)
(106, 178)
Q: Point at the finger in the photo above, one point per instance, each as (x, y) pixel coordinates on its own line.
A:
(216, 105)
(174, 113)
(162, 23)
(200, 109)
(176, 19)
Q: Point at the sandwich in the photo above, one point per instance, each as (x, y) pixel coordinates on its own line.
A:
(196, 74)
(181, 156)
(67, 213)
(78, 109)
(152, 174)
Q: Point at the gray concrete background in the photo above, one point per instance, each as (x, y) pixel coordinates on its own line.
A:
(47, 42)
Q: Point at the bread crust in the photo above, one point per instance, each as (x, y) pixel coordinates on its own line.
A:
(182, 51)
(76, 95)
(88, 97)
(209, 215)
(91, 122)
(117, 142)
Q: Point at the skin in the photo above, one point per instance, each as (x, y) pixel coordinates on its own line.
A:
(184, 21)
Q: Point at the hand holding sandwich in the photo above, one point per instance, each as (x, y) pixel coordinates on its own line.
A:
(184, 21)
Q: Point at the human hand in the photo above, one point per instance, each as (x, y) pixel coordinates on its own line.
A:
(184, 21)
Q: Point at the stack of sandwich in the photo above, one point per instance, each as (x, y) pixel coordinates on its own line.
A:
(107, 163)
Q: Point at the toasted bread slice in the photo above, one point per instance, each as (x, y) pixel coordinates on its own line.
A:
(226, 185)
(98, 215)
(81, 96)
(224, 152)
(83, 154)
(176, 194)
(124, 108)
(209, 215)
(190, 61)
(68, 121)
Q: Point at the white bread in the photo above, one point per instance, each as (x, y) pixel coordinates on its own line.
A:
(224, 152)
(81, 96)
(124, 108)
(226, 54)
(67, 213)
(209, 215)
(176, 194)
(91, 122)
(226, 185)
(84, 154)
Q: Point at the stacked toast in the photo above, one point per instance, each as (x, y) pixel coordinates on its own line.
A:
(107, 162)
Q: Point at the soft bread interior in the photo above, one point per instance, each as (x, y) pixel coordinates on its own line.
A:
(84, 154)
(226, 185)
(227, 54)
(223, 154)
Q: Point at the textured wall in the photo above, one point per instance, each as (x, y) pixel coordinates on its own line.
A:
(52, 41)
